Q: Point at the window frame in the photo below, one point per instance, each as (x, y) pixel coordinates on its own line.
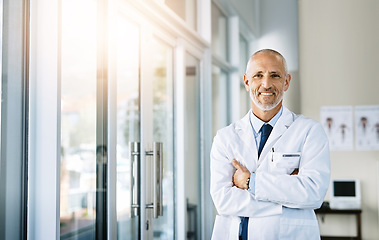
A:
(14, 118)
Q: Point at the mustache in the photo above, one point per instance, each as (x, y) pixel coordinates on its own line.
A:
(270, 90)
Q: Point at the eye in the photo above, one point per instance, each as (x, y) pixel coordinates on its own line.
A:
(275, 75)
(258, 75)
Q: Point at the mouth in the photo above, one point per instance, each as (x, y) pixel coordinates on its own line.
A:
(266, 93)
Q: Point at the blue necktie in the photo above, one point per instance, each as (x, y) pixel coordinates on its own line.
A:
(265, 132)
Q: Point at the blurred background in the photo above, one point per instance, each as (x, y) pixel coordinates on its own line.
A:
(109, 107)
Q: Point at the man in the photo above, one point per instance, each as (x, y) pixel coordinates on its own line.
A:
(270, 169)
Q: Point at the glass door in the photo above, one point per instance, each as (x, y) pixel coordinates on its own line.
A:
(142, 67)
(162, 121)
(125, 71)
(117, 139)
(78, 177)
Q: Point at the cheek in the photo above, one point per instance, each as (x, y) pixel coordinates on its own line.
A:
(281, 87)
(254, 87)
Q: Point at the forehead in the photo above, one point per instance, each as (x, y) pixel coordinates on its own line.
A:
(266, 62)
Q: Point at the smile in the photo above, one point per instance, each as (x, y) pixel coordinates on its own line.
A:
(267, 94)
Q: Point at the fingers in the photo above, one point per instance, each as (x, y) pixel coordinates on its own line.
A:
(236, 164)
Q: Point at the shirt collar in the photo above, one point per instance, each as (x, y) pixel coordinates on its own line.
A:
(256, 123)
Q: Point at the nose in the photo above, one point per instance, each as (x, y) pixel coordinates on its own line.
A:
(266, 82)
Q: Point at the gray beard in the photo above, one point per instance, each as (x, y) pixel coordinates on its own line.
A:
(265, 107)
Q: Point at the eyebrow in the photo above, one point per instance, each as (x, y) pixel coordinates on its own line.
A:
(275, 72)
(268, 72)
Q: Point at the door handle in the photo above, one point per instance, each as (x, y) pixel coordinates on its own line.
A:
(134, 154)
(157, 155)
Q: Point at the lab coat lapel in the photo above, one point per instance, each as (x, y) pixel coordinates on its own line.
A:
(283, 123)
(245, 132)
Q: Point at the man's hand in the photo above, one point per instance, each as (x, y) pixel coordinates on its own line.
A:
(241, 175)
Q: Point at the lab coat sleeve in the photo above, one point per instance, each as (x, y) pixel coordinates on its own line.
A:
(228, 199)
(308, 188)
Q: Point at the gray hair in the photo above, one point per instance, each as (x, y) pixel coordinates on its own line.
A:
(271, 52)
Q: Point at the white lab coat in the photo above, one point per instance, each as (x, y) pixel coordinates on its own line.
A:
(282, 206)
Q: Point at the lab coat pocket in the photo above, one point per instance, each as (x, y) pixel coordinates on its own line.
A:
(283, 163)
(299, 229)
(226, 227)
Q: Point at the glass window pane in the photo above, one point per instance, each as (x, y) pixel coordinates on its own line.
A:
(163, 123)
(186, 9)
(126, 49)
(245, 103)
(78, 119)
(219, 33)
(243, 55)
(219, 99)
(192, 147)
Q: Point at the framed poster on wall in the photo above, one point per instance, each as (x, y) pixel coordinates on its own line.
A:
(367, 127)
(338, 125)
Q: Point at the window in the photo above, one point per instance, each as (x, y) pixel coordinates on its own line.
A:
(79, 178)
(245, 103)
(219, 33)
(186, 9)
(219, 99)
(14, 68)
(221, 69)
(193, 148)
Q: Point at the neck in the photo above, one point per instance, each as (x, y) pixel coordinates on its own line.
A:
(266, 116)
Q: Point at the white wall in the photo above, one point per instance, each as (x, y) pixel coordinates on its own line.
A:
(338, 62)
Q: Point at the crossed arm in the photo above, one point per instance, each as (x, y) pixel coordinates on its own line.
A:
(242, 175)
(228, 198)
(305, 189)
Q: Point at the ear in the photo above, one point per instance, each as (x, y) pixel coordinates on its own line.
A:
(246, 82)
(287, 82)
